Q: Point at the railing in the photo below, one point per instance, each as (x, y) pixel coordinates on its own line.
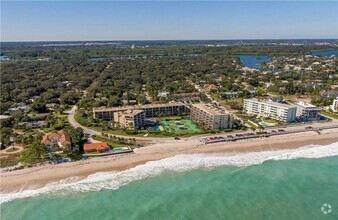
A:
(236, 138)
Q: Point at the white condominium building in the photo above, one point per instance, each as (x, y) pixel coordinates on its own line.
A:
(133, 119)
(210, 117)
(334, 105)
(270, 109)
(306, 111)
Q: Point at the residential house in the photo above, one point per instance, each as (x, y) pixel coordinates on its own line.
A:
(96, 147)
(60, 139)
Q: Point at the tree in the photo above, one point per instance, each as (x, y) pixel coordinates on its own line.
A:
(69, 98)
(77, 138)
(34, 154)
(39, 106)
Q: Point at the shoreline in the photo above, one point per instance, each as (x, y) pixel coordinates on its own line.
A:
(37, 177)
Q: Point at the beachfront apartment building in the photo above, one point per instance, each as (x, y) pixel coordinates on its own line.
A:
(270, 109)
(210, 117)
(307, 112)
(151, 110)
(131, 118)
(334, 106)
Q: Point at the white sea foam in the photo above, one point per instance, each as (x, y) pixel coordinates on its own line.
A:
(178, 163)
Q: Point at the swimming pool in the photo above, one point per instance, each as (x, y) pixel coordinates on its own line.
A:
(155, 127)
(265, 124)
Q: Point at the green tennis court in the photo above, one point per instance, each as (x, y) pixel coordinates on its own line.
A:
(180, 126)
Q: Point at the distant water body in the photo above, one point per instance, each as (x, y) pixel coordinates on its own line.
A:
(325, 53)
(285, 184)
(253, 61)
(3, 58)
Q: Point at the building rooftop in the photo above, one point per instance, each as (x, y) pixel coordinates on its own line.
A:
(96, 146)
(124, 108)
(306, 105)
(271, 103)
(61, 135)
(132, 112)
(210, 109)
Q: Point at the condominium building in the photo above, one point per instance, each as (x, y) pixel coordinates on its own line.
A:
(211, 117)
(307, 112)
(334, 105)
(155, 110)
(270, 109)
(131, 118)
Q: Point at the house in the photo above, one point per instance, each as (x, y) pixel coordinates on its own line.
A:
(34, 124)
(19, 106)
(162, 94)
(96, 147)
(184, 97)
(59, 139)
(329, 94)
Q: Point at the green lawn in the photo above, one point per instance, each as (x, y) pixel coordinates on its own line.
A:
(329, 114)
(110, 142)
(251, 124)
(270, 120)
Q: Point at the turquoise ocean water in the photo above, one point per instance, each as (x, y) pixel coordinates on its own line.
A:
(289, 184)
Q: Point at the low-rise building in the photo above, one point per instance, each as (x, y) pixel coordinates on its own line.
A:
(334, 105)
(329, 94)
(185, 97)
(34, 124)
(132, 118)
(270, 109)
(59, 139)
(210, 117)
(307, 112)
(96, 147)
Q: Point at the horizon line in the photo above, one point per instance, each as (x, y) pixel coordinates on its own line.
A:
(230, 39)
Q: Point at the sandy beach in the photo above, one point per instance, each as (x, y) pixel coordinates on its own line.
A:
(36, 177)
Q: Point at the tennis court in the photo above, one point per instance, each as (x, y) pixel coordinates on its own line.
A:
(180, 126)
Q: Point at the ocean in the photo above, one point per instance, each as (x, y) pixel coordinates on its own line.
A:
(285, 184)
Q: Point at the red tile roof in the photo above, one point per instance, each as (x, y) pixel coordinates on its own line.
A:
(96, 146)
(61, 135)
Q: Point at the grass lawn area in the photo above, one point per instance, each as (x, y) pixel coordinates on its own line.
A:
(82, 121)
(9, 160)
(251, 124)
(185, 126)
(329, 114)
(270, 120)
(110, 142)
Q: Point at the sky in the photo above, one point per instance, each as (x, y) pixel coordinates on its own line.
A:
(170, 20)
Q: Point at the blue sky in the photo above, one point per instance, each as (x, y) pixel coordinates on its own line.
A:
(157, 20)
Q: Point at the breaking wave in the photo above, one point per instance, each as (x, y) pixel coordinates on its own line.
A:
(178, 163)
